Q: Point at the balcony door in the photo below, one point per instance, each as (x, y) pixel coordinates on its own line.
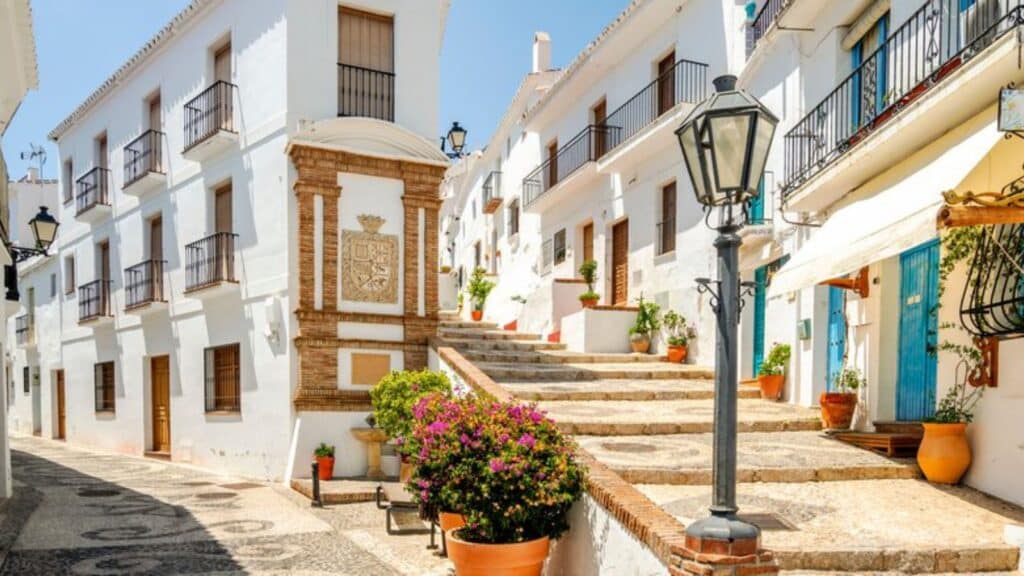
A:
(588, 242)
(222, 63)
(156, 238)
(666, 83)
(222, 226)
(154, 113)
(366, 64)
(552, 172)
(600, 114)
(103, 253)
(101, 151)
(620, 263)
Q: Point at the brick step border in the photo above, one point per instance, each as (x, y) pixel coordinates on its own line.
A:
(539, 357)
(465, 345)
(485, 334)
(571, 372)
(621, 395)
(639, 475)
(584, 428)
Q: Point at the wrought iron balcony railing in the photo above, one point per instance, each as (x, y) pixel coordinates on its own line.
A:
(584, 147)
(210, 261)
(210, 112)
(25, 329)
(93, 190)
(94, 300)
(686, 81)
(934, 42)
(492, 192)
(143, 155)
(366, 92)
(144, 284)
(766, 16)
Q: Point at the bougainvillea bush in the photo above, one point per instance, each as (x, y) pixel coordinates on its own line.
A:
(504, 465)
(395, 395)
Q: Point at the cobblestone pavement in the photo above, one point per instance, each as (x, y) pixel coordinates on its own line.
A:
(77, 511)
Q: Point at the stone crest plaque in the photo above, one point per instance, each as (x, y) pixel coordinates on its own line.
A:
(369, 263)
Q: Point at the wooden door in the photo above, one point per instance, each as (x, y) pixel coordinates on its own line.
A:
(101, 151)
(61, 407)
(222, 64)
(588, 242)
(222, 210)
(666, 83)
(600, 113)
(552, 172)
(104, 261)
(620, 263)
(668, 219)
(156, 238)
(160, 388)
(154, 113)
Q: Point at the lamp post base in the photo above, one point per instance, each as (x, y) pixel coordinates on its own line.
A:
(724, 545)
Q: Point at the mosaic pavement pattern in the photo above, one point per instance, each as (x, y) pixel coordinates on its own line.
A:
(97, 514)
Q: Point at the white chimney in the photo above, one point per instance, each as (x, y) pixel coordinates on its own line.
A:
(541, 52)
(33, 175)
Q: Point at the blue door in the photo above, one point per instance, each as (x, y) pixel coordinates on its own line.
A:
(836, 333)
(756, 209)
(919, 291)
(761, 282)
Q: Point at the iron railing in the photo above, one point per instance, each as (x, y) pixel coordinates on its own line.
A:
(686, 81)
(583, 148)
(769, 12)
(934, 42)
(492, 187)
(992, 303)
(666, 236)
(25, 329)
(210, 112)
(143, 156)
(210, 261)
(144, 284)
(94, 300)
(93, 190)
(366, 92)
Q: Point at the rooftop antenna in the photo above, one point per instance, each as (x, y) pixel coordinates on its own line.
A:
(37, 153)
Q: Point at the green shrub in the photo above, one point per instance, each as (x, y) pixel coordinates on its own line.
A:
(777, 360)
(589, 272)
(479, 288)
(324, 451)
(395, 395)
(679, 330)
(849, 380)
(647, 320)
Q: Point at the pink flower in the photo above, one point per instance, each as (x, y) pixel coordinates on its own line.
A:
(527, 440)
(437, 427)
(536, 416)
(464, 439)
(498, 465)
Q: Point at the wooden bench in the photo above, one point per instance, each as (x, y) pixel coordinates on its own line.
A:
(886, 443)
(392, 497)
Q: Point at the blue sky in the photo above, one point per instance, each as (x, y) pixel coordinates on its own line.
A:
(487, 50)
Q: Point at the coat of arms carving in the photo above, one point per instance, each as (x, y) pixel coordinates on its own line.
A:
(369, 263)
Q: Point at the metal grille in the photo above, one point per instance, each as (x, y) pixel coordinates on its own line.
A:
(144, 283)
(209, 113)
(93, 190)
(366, 92)
(581, 149)
(210, 261)
(94, 300)
(143, 155)
(993, 299)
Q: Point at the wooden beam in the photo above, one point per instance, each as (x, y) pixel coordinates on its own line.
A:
(956, 216)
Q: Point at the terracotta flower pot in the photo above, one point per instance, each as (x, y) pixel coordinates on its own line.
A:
(325, 467)
(405, 470)
(478, 315)
(771, 386)
(521, 559)
(450, 521)
(944, 455)
(676, 353)
(837, 409)
(640, 344)
(589, 302)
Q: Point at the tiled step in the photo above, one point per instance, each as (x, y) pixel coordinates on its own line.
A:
(465, 344)
(635, 390)
(623, 418)
(904, 526)
(473, 333)
(762, 457)
(567, 372)
(558, 357)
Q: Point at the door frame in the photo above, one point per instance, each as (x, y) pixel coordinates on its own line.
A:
(152, 444)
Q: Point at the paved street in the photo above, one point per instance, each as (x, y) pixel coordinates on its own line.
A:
(83, 512)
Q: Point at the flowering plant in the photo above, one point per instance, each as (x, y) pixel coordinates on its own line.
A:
(503, 465)
(395, 395)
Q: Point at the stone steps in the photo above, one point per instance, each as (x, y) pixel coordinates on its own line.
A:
(468, 325)
(557, 357)
(637, 390)
(902, 526)
(474, 333)
(643, 418)
(468, 345)
(762, 457)
(568, 372)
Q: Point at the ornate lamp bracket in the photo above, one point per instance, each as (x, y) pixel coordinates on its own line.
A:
(986, 373)
(704, 287)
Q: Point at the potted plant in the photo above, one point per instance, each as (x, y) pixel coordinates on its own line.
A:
(393, 399)
(588, 270)
(647, 322)
(772, 375)
(837, 407)
(944, 455)
(324, 455)
(479, 289)
(679, 334)
(472, 457)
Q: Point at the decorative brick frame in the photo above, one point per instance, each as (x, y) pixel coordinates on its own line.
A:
(318, 341)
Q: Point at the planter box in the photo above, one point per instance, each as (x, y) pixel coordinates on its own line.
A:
(603, 329)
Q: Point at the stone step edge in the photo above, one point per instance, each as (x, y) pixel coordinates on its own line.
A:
(584, 428)
(973, 560)
(620, 395)
(665, 476)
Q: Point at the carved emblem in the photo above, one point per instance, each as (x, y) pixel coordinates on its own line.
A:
(369, 263)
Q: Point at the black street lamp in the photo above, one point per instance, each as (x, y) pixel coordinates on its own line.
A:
(44, 229)
(456, 139)
(725, 143)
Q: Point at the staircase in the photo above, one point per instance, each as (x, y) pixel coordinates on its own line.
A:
(822, 505)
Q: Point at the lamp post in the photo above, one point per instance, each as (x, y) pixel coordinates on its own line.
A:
(725, 142)
(456, 139)
(44, 230)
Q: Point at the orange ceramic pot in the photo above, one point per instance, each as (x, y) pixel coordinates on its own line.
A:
(676, 354)
(450, 521)
(325, 467)
(640, 345)
(837, 409)
(771, 386)
(405, 471)
(589, 302)
(478, 315)
(944, 455)
(521, 559)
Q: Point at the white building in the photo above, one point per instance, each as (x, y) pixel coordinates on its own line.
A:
(204, 317)
(18, 75)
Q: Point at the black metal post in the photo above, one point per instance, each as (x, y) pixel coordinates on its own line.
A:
(723, 523)
(317, 502)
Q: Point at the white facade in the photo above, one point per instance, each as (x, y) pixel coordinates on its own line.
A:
(282, 59)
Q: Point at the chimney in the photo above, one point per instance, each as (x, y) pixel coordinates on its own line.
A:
(541, 52)
(33, 175)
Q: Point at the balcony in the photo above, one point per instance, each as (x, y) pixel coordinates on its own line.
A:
(912, 70)
(584, 148)
(654, 107)
(92, 200)
(210, 122)
(492, 193)
(94, 303)
(144, 164)
(366, 92)
(760, 216)
(25, 331)
(210, 265)
(766, 16)
(144, 287)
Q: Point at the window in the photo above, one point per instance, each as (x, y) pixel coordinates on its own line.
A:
(667, 226)
(476, 255)
(552, 159)
(870, 101)
(223, 381)
(53, 285)
(26, 376)
(103, 374)
(558, 247)
(366, 64)
(69, 181)
(513, 217)
(69, 274)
